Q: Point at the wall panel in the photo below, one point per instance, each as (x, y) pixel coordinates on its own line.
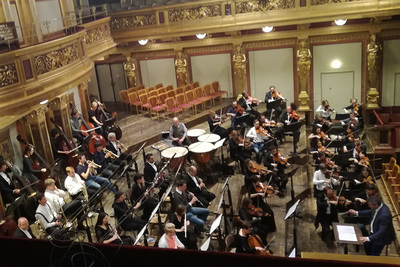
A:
(154, 71)
(391, 73)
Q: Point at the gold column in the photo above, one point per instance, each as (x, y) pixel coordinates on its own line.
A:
(130, 70)
(303, 71)
(239, 66)
(85, 100)
(374, 65)
(181, 69)
(37, 126)
(30, 26)
(61, 114)
(2, 12)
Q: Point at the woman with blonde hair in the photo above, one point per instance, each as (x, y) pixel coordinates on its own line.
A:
(169, 239)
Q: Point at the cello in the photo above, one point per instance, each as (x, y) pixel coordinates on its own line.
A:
(108, 123)
(38, 164)
(255, 241)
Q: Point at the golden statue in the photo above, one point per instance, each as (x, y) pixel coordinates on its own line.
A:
(373, 58)
(239, 66)
(303, 69)
(130, 68)
(181, 70)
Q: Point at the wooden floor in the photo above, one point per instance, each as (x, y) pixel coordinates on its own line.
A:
(137, 128)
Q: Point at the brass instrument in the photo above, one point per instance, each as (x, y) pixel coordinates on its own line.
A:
(85, 197)
(112, 155)
(123, 147)
(95, 165)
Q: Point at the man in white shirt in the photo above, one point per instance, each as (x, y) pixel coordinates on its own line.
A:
(258, 135)
(320, 181)
(23, 230)
(45, 214)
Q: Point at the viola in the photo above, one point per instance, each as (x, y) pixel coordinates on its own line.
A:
(364, 161)
(277, 95)
(255, 241)
(246, 142)
(279, 158)
(262, 131)
(324, 149)
(253, 211)
(256, 168)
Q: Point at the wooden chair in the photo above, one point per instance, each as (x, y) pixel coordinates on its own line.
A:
(188, 87)
(161, 99)
(182, 102)
(195, 84)
(161, 90)
(179, 90)
(153, 93)
(171, 107)
(191, 99)
(150, 89)
(169, 88)
(141, 92)
(394, 179)
(386, 167)
(159, 85)
(153, 101)
(134, 101)
(210, 92)
(200, 95)
(171, 93)
(141, 87)
(123, 95)
(132, 89)
(144, 102)
(217, 89)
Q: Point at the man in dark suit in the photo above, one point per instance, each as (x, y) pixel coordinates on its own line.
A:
(288, 118)
(382, 230)
(198, 216)
(198, 188)
(246, 102)
(8, 192)
(23, 230)
(116, 147)
(151, 171)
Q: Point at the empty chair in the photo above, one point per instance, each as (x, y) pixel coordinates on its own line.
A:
(141, 87)
(171, 107)
(161, 99)
(170, 93)
(152, 93)
(200, 95)
(132, 89)
(217, 89)
(179, 90)
(154, 106)
(123, 95)
(182, 102)
(188, 87)
(169, 88)
(149, 89)
(142, 92)
(191, 99)
(195, 84)
(144, 101)
(159, 85)
(134, 101)
(210, 92)
(161, 90)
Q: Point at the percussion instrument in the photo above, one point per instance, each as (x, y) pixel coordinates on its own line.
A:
(179, 158)
(209, 138)
(193, 134)
(201, 152)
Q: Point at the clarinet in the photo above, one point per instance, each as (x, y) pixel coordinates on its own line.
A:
(198, 201)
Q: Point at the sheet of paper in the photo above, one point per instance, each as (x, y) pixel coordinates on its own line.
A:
(347, 233)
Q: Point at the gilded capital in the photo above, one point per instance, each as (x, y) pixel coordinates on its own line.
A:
(37, 116)
(59, 102)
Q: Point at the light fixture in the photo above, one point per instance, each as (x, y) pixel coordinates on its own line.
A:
(336, 64)
(340, 22)
(44, 102)
(267, 28)
(201, 35)
(143, 42)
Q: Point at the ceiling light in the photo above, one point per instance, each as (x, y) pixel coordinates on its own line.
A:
(201, 35)
(340, 22)
(336, 64)
(44, 102)
(267, 28)
(143, 42)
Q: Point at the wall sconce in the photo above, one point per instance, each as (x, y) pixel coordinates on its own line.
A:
(143, 42)
(336, 64)
(340, 22)
(267, 29)
(201, 35)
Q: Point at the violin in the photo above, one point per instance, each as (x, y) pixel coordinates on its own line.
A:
(294, 115)
(330, 174)
(268, 124)
(279, 158)
(255, 241)
(358, 148)
(253, 211)
(322, 135)
(364, 161)
(262, 131)
(368, 180)
(277, 95)
(239, 109)
(256, 168)
(246, 141)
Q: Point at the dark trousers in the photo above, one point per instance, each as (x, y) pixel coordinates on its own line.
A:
(205, 197)
(373, 249)
(185, 142)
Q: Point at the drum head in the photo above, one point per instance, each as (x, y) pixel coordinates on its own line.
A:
(195, 132)
(210, 138)
(169, 152)
(201, 147)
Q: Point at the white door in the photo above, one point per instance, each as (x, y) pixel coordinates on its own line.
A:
(337, 88)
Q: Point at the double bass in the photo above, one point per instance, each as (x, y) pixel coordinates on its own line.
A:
(108, 122)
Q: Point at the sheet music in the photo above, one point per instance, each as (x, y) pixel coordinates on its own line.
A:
(292, 209)
(140, 234)
(215, 224)
(292, 253)
(206, 244)
(347, 233)
(219, 203)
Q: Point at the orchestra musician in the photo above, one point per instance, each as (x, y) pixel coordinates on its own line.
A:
(355, 107)
(178, 133)
(320, 122)
(242, 240)
(351, 123)
(94, 119)
(239, 148)
(275, 162)
(106, 166)
(323, 159)
(59, 155)
(139, 193)
(321, 148)
(44, 213)
(258, 136)
(108, 235)
(178, 219)
(116, 147)
(325, 110)
(252, 169)
(24, 230)
(323, 179)
(247, 102)
(8, 192)
(317, 135)
(75, 185)
(197, 187)
(169, 238)
(273, 95)
(151, 172)
(28, 170)
(287, 118)
(76, 124)
(124, 215)
(235, 112)
(215, 121)
(265, 123)
(326, 214)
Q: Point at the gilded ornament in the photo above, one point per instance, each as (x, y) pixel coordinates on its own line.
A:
(323, 2)
(181, 69)
(8, 75)
(239, 66)
(372, 98)
(194, 13)
(36, 116)
(373, 58)
(263, 5)
(56, 59)
(134, 21)
(130, 68)
(303, 70)
(93, 35)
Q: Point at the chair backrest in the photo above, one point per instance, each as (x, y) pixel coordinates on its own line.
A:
(169, 88)
(142, 92)
(215, 86)
(179, 90)
(170, 93)
(132, 97)
(153, 93)
(144, 99)
(162, 97)
(229, 242)
(149, 89)
(161, 90)
(159, 85)
(392, 162)
(132, 89)
(123, 95)
(189, 95)
(188, 87)
(153, 101)
(141, 87)
(208, 89)
(181, 99)
(170, 102)
(394, 171)
(199, 92)
(195, 84)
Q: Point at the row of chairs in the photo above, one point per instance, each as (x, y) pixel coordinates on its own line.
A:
(157, 98)
(391, 179)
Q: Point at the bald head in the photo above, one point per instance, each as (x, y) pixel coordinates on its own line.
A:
(175, 121)
(23, 223)
(193, 170)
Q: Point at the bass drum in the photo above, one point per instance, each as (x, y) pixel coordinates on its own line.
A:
(201, 152)
(180, 156)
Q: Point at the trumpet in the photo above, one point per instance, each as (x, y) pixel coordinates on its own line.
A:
(95, 165)
(123, 147)
(112, 155)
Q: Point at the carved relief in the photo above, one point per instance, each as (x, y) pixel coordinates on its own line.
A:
(239, 65)
(263, 5)
(56, 59)
(93, 35)
(323, 2)
(194, 13)
(181, 69)
(133, 21)
(36, 116)
(374, 49)
(8, 75)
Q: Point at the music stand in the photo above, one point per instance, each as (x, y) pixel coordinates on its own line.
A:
(139, 235)
(342, 116)
(13, 206)
(274, 104)
(206, 245)
(291, 214)
(226, 184)
(293, 127)
(244, 118)
(347, 233)
(290, 174)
